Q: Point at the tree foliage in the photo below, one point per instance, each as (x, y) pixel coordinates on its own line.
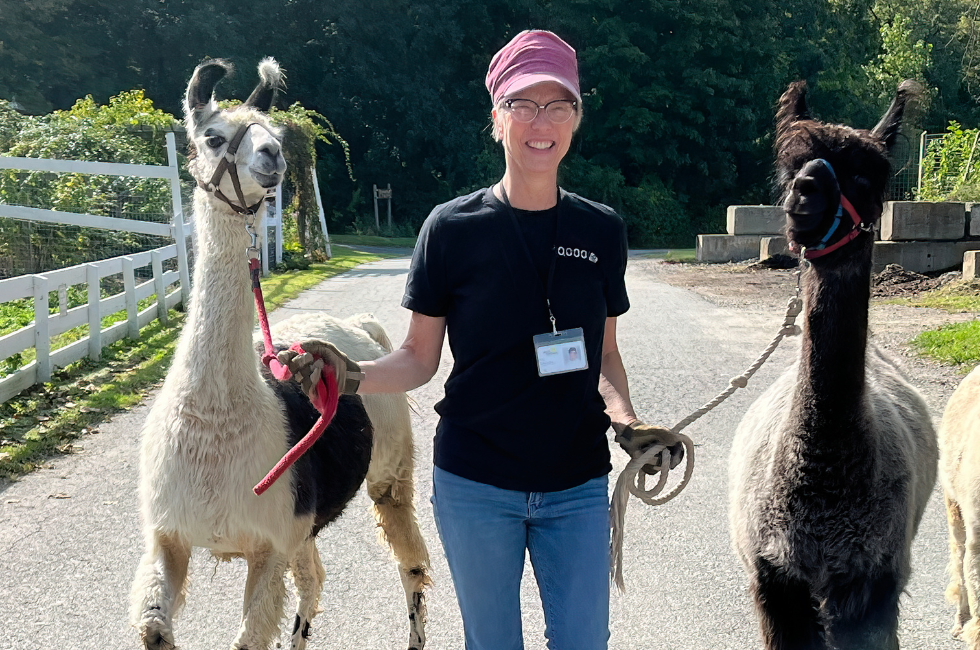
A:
(678, 94)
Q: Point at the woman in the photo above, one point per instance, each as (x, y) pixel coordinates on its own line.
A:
(519, 274)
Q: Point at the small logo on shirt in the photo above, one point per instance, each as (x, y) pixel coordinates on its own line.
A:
(567, 251)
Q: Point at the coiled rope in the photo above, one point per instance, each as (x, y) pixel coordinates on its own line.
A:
(632, 480)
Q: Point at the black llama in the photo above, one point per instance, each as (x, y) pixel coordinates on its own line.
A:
(832, 466)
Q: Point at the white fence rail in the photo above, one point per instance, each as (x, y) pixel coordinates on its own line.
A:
(170, 171)
(38, 334)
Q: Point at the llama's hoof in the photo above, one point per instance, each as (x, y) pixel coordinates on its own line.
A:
(300, 636)
(957, 631)
(157, 640)
(971, 633)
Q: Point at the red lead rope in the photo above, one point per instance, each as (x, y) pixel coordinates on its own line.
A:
(325, 401)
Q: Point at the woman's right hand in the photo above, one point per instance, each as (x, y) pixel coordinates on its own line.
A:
(308, 365)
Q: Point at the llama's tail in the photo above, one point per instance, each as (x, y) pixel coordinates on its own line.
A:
(370, 324)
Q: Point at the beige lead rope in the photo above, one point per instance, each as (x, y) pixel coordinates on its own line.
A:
(633, 481)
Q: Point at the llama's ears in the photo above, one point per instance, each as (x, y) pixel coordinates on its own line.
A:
(271, 82)
(890, 123)
(792, 107)
(199, 101)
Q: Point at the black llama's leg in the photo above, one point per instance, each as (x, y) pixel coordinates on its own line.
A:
(788, 615)
(864, 613)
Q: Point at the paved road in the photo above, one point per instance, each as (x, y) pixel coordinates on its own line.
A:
(70, 542)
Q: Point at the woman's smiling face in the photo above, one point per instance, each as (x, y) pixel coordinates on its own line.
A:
(535, 147)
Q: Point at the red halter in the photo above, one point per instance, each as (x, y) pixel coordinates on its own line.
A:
(857, 227)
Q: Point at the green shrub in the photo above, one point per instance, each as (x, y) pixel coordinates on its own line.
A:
(654, 216)
(948, 166)
(127, 130)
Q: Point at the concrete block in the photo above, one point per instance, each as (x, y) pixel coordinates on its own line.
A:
(922, 220)
(922, 256)
(727, 248)
(970, 266)
(756, 219)
(769, 246)
(973, 218)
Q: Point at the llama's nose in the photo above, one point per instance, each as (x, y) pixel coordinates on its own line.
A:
(271, 159)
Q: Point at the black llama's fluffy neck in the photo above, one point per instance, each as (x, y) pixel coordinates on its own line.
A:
(830, 391)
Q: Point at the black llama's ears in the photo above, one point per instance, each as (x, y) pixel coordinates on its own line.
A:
(887, 129)
(272, 77)
(792, 107)
(199, 101)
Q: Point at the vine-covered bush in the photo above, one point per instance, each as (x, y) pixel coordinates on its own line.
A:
(949, 166)
(302, 129)
(127, 130)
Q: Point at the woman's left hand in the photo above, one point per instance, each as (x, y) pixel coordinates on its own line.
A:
(637, 437)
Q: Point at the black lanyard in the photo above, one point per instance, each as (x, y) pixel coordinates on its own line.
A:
(546, 289)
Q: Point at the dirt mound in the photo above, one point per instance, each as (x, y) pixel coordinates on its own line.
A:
(895, 281)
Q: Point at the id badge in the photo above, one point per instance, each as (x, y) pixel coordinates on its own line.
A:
(561, 352)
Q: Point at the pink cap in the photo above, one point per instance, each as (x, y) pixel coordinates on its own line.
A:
(532, 57)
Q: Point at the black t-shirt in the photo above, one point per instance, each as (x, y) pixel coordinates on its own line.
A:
(501, 423)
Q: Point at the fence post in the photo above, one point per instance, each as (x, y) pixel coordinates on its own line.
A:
(129, 284)
(178, 224)
(319, 206)
(42, 336)
(922, 156)
(389, 207)
(374, 194)
(93, 277)
(156, 260)
(279, 223)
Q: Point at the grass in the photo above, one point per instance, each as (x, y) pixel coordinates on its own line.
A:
(956, 343)
(372, 240)
(46, 419)
(677, 255)
(955, 297)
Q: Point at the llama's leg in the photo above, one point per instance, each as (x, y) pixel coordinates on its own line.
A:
(956, 592)
(864, 612)
(158, 590)
(394, 510)
(308, 576)
(264, 595)
(971, 579)
(788, 615)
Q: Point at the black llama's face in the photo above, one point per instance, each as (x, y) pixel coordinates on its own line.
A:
(817, 163)
(258, 159)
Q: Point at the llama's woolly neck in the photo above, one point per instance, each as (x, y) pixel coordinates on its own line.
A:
(837, 292)
(215, 348)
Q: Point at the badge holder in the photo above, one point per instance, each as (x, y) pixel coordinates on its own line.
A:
(560, 352)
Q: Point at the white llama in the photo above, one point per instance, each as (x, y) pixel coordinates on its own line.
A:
(221, 421)
(959, 473)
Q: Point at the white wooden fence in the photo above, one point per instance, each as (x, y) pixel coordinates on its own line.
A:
(38, 334)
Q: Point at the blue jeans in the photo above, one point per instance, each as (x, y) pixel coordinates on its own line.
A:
(485, 530)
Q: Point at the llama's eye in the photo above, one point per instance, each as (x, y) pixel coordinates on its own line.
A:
(862, 182)
(215, 141)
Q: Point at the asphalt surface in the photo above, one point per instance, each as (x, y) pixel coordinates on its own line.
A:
(70, 538)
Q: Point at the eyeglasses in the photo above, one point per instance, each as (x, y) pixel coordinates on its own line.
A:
(558, 111)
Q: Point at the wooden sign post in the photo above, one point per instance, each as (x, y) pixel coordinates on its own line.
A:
(382, 194)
